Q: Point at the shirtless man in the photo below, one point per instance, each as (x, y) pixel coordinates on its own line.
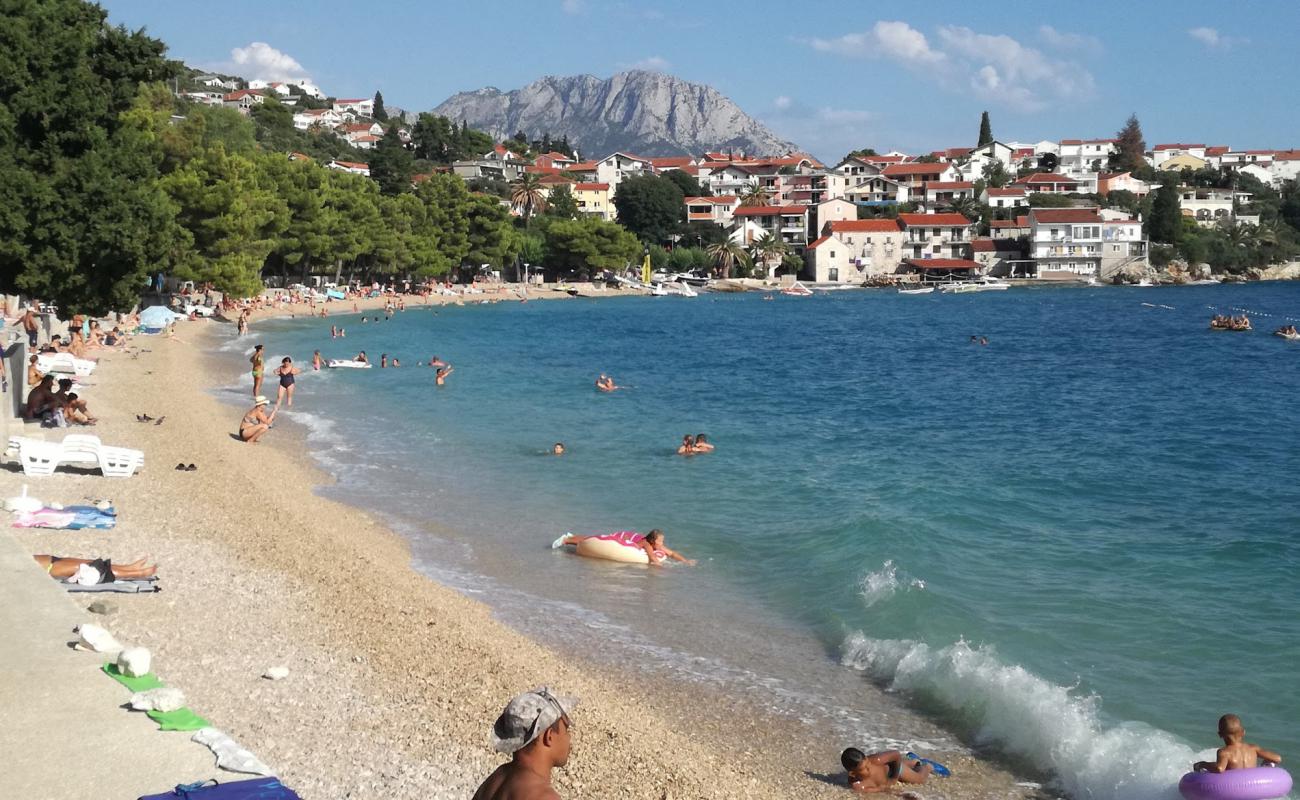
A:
(606, 383)
(1236, 753)
(34, 375)
(440, 377)
(40, 400)
(879, 772)
(535, 730)
(29, 325)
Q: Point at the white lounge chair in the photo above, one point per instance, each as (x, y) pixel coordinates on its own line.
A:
(39, 458)
(65, 363)
(42, 458)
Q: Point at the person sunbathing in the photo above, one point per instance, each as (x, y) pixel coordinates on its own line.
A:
(62, 567)
(34, 375)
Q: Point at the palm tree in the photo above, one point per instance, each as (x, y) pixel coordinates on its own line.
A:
(727, 254)
(528, 195)
(753, 195)
(968, 207)
(766, 248)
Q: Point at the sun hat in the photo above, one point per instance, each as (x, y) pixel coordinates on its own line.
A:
(526, 716)
(260, 400)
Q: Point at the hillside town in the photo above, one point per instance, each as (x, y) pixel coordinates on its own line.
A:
(1047, 210)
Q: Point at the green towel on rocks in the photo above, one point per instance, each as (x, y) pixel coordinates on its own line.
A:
(182, 719)
(141, 684)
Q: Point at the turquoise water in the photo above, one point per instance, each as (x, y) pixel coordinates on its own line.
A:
(1076, 545)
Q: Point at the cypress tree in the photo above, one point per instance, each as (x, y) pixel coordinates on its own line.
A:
(986, 130)
(379, 113)
(1131, 146)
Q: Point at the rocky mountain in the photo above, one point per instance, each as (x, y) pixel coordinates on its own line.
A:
(639, 112)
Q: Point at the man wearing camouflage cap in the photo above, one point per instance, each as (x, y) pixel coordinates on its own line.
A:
(535, 729)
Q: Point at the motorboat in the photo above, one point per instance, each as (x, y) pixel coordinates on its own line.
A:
(982, 285)
(922, 290)
(797, 289)
(674, 288)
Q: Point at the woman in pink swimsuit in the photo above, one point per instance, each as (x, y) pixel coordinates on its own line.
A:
(652, 543)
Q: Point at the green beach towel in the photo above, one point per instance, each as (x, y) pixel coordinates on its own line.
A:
(141, 684)
(182, 719)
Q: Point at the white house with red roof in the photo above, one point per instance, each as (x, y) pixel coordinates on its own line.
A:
(324, 117)
(1065, 243)
(1005, 197)
(789, 224)
(850, 251)
(354, 167)
(719, 210)
(1001, 258)
(502, 153)
(913, 175)
(242, 100)
(1285, 166)
(554, 160)
(1108, 182)
(936, 235)
(944, 193)
(1017, 228)
(361, 106)
(613, 168)
(876, 190)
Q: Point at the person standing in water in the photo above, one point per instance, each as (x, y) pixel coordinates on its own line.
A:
(316, 361)
(258, 367)
(286, 372)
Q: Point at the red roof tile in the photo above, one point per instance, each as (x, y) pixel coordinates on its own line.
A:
(823, 240)
(1175, 146)
(592, 187)
(915, 169)
(722, 200)
(1018, 222)
(1009, 191)
(949, 185)
(672, 162)
(1065, 215)
(864, 226)
(921, 220)
(1217, 150)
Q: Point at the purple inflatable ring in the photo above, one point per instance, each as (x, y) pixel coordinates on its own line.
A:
(1257, 783)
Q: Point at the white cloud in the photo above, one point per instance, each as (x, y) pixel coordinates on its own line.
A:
(1214, 40)
(261, 61)
(1006, 71)
(996, 68)
(781, 103)
(571, 6)
(826, 131)
(653, 63)
(886, 39)
(1061, 40)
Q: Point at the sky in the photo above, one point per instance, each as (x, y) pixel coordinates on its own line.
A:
(829, 75)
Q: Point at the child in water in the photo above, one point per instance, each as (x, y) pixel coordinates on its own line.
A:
(1235, 753)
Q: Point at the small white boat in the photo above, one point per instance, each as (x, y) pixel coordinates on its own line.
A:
(346, 363)
(1204, 282)
(1144, 282)
(683, 289)
(984, 285)
(922, 290)
(1291, 337)
(797, 289)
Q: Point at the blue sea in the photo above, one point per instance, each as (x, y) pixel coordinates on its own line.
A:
(1075, 546)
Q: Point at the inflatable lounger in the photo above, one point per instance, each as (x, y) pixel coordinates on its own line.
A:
(254, 789)
(122, 587)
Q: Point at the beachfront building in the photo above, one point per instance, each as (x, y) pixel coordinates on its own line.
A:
(1007, 197)
(936, 235)
(789, 224)
(1122, 244)
(1017, 228)
(361, 106)
(1001, 258)
(835, 210)
(1065, 243)
(593, 200)
(718, 210)
(853, 250)
(1209, 206)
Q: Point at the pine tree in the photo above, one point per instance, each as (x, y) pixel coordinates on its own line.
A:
(1132, 147)
(986, 130)
(391, 164)
(1166, 218)
(379, 113)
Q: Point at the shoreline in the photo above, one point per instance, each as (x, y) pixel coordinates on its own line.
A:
(376, 650)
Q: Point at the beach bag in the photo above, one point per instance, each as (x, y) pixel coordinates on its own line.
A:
(254, 789)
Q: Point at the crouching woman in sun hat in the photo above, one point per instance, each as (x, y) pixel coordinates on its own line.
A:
(535, 729)
(256, 421)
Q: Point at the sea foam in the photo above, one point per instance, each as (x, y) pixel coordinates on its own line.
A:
(885, 582)
(1049, 726)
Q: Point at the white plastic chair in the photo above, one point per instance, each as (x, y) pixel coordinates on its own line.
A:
(39, 458)
(114, 462)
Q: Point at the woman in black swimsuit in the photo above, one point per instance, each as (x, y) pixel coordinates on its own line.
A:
(286, 371)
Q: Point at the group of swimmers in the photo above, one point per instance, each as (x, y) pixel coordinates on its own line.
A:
(1224, 322)
(606, 384)
(694, 445)
(1286, 330)
(979, 340)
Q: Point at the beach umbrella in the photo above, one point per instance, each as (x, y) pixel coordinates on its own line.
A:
(158, 317)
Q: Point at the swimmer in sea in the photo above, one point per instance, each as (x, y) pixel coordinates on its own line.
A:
(1236, 753)
(316, 361)
(383, 360)
(606, 383)
(702, 444)
(362, 357)
(440, 377)
(652, 543)
(287, 373)
(687, 447)
(558, 449)
(435, 362)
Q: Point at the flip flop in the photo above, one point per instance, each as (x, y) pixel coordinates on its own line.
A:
(191, 468)
(180, 467)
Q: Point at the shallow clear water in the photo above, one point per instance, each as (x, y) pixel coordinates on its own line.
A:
(1077, 544)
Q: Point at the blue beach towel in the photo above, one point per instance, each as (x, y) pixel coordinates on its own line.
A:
(255, 789)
